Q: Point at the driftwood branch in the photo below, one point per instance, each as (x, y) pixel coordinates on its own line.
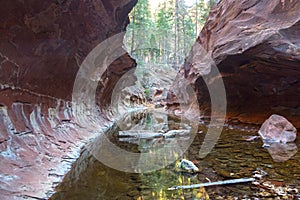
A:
(233, 181)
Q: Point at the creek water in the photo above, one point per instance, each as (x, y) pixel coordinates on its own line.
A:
(232, 157)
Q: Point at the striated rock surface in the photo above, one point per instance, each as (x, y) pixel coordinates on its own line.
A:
(42, 45)
(256, 47)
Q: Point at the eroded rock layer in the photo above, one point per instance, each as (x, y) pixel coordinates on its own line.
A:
(256, 47)
(42, 45)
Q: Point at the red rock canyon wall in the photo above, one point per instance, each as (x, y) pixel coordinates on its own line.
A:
(42, 45)
(256, 47)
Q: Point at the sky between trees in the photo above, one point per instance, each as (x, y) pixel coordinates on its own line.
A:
(154, 3)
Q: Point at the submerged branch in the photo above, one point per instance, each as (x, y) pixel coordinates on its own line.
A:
(241, 180)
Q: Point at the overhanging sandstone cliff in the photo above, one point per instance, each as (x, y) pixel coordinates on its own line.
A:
(42, 45)
(256, 47)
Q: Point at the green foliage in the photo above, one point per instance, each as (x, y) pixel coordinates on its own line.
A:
(164, 17)
(147, 92)
(165, 36)
(141, 20)
(141, 16)
(203, 12)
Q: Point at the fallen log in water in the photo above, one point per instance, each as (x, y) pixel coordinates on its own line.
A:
(142, 134)
(233, 181)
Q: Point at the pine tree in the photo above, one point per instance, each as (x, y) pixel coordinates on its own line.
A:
(163, 22)
(199, 13)
(168, 35)
(141, 21)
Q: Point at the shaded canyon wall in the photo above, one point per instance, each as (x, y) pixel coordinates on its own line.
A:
(256, 47)
(42, 45)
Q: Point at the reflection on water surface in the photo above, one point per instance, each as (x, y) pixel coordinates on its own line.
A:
(232, 157)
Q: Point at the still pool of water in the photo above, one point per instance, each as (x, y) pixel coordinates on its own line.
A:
(232, 157)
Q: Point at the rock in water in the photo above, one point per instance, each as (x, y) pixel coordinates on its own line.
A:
(187, 165)
(278, 129)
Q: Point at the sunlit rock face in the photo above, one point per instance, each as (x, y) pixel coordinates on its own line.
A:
(43, 44)
(256, 47)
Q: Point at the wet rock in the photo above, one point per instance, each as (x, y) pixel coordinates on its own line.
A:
(278, 129)
(187, 165)
(259, 173)
(275, 189)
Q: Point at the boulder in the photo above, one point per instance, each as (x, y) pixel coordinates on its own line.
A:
(278, 129)
(256, 47)
(188, 166)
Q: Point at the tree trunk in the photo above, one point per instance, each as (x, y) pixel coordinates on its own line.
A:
(132, 36)
(196, 18)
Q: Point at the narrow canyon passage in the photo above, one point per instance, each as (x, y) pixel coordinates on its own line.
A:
(67, 80)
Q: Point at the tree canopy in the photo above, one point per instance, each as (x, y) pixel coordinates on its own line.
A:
(166, 34)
